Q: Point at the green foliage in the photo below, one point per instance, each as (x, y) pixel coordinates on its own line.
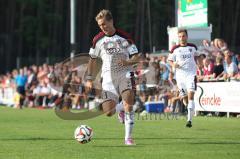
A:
(35, 22)
(126, 14)
(43, 26)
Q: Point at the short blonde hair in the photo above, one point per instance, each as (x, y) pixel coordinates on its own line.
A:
(104, 14)
(219, 59)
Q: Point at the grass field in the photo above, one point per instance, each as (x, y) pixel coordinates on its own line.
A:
(40, 134)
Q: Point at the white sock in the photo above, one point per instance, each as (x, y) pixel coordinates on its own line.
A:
(119, 107)
(191, 107)
(129, 122)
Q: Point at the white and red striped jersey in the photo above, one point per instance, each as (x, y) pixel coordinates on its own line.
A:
(111, 49)
(184, 56)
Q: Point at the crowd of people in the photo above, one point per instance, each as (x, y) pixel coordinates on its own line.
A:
(32, 86)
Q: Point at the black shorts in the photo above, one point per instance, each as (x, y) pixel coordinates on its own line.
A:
(21, 90)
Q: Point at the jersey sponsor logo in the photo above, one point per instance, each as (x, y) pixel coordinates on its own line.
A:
(112, 50)
(117, 46)
(186, 56)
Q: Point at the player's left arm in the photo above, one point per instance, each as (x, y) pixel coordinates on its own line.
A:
(198, 54)
(134, 56)
(172, 60)
(133, 60)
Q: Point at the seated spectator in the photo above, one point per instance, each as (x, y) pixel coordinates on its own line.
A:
(230, 68)
(165, 93)
(77, 92)
(220, 44)
(207, 68)
(200, 72)
(42, 94)
(29, 101)
(175, 98)
(218, 69)
(230, 53)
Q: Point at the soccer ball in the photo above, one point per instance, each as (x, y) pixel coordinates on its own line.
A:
(83, 134)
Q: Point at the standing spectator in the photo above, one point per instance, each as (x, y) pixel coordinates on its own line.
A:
(31, 78)
(21, 81)
(31, 84)
(165, 69)
(152, 79)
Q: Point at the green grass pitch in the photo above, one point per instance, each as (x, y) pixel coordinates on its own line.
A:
(40, 134)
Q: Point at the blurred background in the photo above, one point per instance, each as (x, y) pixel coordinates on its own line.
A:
(38, 31)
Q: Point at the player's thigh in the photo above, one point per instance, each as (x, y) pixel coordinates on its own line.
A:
(109, 92)
(128, 96)
(108, 107)
(126, 88)
(191, 84)
(181, 84)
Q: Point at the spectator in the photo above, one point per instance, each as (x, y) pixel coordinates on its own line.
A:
(21, 81)
(207, 68)
(230, 68)
(31, 78)
(165, 68)
(218, 69)
(233, 57)
(152, 79)
(43, 96)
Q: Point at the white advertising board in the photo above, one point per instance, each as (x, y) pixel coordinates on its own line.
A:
(218, 97)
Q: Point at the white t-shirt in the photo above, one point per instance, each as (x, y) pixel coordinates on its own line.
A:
(111, 49)
(231, 68)
(45, 90)
(184, 56)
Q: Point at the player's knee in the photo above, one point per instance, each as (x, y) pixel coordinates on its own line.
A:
(128, 107)
(110, 113)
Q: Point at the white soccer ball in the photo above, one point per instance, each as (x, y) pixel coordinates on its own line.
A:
(83, 134)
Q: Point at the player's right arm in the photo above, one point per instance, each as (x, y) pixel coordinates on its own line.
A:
(172, 58)
(174, 64)
(89, 78)
(94, 53)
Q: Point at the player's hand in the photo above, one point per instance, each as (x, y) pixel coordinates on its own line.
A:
(122, 62)
(176, 65)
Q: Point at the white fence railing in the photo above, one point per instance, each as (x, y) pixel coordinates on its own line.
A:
(7, 96)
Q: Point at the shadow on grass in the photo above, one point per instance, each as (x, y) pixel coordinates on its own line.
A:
(152, 138)
(216, 143)
(97, 138)
(138, 140)
(117, 146)
(35, 139)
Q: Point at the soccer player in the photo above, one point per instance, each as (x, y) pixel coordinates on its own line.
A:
(118, 53)
(182, 59)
